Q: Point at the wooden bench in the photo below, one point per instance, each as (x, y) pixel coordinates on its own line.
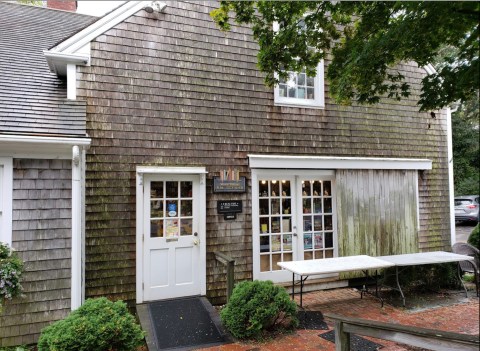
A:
(431, 339)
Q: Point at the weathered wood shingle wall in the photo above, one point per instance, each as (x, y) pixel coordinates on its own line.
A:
(42, 237)
(171, 89)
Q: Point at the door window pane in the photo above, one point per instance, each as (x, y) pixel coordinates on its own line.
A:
(186, 227)
(172, 189)
(156, 190)
(186, 209)
(156, 209)
(156, 228)
(186, 189)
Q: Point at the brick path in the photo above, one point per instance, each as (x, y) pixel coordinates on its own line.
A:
(460, 318)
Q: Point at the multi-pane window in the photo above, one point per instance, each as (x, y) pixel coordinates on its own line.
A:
(171, 213)
(298, 86)
(275, 220)
(301, 90)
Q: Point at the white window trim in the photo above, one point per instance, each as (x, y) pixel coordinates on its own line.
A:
(6, 200)
(318, 102)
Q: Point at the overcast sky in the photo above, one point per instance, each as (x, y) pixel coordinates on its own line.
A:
(96, 8)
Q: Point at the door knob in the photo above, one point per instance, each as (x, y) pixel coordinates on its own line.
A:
(196, 234)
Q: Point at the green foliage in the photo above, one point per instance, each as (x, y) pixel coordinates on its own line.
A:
(466, 151)
(425, 277)
(17, 348)
(366, 39)
(99, 325)
(257, 307)
(11, 271)
(474, 237)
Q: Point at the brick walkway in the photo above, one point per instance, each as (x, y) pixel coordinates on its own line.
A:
(461, 318)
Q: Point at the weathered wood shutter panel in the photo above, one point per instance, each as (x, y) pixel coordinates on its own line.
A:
(377, 212)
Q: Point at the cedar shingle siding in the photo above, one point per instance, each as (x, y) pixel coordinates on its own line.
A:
(175, 91)
(42, 237)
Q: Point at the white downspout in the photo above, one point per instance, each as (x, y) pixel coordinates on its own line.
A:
(71, 81)
(450, 176)
(76, 285)
(83, 206)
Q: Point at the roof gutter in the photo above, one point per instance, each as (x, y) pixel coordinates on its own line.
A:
(58, 61)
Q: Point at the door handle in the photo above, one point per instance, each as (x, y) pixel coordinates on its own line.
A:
(195, 234)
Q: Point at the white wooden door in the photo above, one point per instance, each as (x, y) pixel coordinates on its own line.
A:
(172, 239)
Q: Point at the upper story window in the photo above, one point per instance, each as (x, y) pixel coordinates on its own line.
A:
(301, 90)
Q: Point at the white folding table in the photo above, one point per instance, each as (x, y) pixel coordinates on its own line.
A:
(421, 258)
(308, 268)
(363, 263)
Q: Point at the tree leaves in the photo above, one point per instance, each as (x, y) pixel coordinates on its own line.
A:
(366, 40)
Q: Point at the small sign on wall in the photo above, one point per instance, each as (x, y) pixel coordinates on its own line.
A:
(229, 206)
(229, 181)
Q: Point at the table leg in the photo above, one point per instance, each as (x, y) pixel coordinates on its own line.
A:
(398, 285)
(301, 291)
(459, 274)
(293, 286)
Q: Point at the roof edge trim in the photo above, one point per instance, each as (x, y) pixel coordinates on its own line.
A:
(82, 38)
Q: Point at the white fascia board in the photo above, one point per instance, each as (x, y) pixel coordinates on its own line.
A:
(430, 69)
(58, 61)
(23, 146)
(170, 170)
(77, 41)
(328, 162)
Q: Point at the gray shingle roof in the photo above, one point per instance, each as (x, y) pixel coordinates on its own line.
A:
(33, 99)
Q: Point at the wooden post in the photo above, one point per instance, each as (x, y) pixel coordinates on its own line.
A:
(230, 278)
(342, 339)
(230, 264)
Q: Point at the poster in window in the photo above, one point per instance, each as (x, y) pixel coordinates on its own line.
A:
(287, 242)
(307, 241)
(172, 228)
(276, 244)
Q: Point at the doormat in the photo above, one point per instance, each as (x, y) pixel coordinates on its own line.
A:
(185, 324)
(356, 342)
(312, 320)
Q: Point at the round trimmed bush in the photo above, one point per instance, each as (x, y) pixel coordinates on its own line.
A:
(474, 237)
(99, 325)
(257, 307)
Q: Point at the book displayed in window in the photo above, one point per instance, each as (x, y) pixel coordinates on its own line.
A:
(307, 241)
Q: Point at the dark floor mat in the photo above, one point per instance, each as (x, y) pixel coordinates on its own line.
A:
(183, 323)
(312, 320)
(356, 343)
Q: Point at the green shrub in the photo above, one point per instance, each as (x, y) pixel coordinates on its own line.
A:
(425, 277)
(258, 307)
(11, 271)
(474, 237)
(99, 325)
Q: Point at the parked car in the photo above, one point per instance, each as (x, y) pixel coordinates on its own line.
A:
(467, 208)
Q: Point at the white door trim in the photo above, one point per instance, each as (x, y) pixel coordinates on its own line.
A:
(140, 171)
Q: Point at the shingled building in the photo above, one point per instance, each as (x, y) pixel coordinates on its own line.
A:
(136, 146)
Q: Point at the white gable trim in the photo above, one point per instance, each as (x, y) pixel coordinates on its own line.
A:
(76, 49)
(77, 41)
(327, 162)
